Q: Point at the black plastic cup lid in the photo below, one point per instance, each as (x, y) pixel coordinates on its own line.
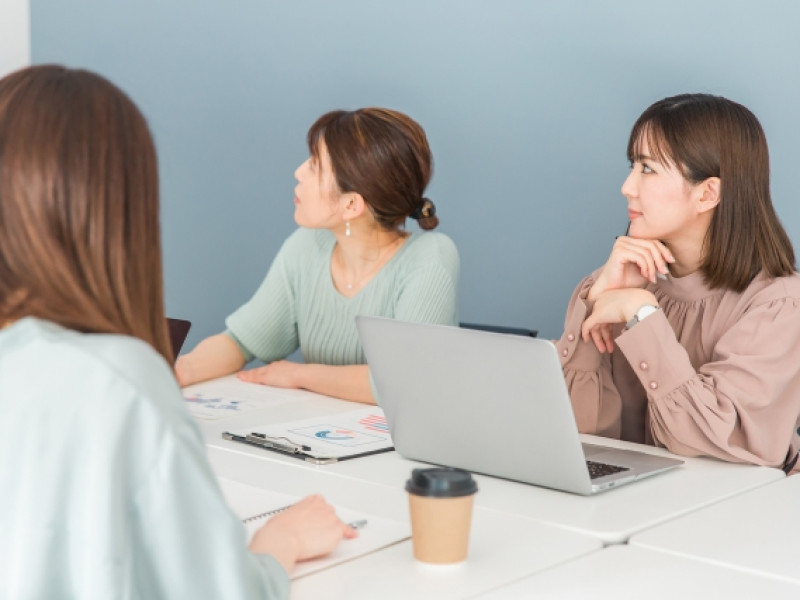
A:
(441, 482)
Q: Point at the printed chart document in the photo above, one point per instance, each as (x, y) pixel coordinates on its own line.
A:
(229, 396)
(250, 504)
(324, 439)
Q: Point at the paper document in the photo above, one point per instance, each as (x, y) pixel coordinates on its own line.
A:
(228, 396)
(330, 437)
(247, 501)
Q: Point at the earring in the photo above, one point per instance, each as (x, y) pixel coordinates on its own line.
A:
(347, 228)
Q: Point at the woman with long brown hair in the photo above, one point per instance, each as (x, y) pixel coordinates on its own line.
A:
(106, 491)
(367, 173)
(689, 336)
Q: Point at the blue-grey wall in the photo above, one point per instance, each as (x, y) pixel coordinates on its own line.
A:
(15, 35)
(527, 105)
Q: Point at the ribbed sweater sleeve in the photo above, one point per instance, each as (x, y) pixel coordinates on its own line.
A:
(266, 326)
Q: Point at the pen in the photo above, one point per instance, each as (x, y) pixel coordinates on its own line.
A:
(358, 524)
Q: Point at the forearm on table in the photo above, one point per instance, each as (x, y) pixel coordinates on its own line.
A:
(349, 382)
(215, 356)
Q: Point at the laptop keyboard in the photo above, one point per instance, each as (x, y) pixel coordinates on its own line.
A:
(597, 469)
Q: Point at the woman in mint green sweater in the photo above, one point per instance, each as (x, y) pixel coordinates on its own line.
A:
(366, 174)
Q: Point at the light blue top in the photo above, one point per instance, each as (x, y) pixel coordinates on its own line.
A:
(298, 305)
(105, 490)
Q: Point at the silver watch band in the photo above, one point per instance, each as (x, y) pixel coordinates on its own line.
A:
(644, 311)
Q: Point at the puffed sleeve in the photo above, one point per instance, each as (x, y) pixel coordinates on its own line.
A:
(595, 399)
(191, 544)
(742, 404)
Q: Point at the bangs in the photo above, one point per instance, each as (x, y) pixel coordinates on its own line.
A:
(330, 122)
(315, 134)
(650, 134)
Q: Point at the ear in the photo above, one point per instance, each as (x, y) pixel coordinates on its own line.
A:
(353, 206)
(708, 194)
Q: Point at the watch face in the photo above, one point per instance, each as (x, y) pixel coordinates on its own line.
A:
(645, 311)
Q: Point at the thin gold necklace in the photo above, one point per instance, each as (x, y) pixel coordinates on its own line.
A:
(384, 253)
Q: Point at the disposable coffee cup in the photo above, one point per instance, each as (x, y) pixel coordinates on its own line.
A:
(440, 501)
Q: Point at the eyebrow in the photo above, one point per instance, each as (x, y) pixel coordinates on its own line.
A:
(641, 157)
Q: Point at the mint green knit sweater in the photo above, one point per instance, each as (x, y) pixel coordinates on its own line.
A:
(297, 304)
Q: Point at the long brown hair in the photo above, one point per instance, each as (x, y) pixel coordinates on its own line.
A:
(79, 211)
(710, 136)
(384, 156)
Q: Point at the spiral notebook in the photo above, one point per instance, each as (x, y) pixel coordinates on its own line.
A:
(255, 506)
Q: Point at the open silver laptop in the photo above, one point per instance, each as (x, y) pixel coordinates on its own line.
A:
(491, 403)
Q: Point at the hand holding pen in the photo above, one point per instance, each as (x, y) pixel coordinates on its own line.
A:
(307, 529)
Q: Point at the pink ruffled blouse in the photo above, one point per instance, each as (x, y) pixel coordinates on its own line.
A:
(714, 373)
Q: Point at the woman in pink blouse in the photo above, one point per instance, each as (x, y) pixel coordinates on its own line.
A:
(689, 336)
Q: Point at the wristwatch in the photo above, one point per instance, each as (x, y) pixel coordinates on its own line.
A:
(644, 311)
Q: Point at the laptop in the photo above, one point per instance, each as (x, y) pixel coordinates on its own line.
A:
(178, 330)
(491, 403)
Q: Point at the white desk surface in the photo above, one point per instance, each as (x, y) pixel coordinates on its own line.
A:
(503, 548)
(622, 572)
(757, 532)
(612, 516)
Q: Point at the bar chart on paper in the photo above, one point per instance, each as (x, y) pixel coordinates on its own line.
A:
(350, 434)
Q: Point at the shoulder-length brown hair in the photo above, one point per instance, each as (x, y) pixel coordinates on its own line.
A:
(710, 136)
(79, 210)
(383, 155)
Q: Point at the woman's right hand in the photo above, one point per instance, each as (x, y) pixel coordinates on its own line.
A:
(307, 530)
(632, 263)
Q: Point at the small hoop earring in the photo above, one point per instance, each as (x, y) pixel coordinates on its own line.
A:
(347, 228)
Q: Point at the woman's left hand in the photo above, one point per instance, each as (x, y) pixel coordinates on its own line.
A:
(611, 307)
(281, 373)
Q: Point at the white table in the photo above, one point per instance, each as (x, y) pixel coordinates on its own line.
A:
(503, 548)
(611, 517)
(616, 515)
(622, 572)
(757, 532)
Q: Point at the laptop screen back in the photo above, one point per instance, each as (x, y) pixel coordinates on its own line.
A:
(178, 330)
(487, 402)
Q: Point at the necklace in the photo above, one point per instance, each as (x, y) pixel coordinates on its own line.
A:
(385, 253)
